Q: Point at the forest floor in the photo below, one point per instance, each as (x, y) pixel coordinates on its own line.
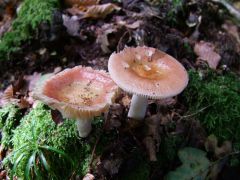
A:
(197, 128)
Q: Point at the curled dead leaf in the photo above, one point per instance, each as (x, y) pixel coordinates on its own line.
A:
(100, 11)
(206, 52)
(81, 2)
(211, 145)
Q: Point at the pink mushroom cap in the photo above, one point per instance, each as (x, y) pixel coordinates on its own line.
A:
(147, 72)
(78, 93)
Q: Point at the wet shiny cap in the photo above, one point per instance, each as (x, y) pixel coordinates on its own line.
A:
(147, 72)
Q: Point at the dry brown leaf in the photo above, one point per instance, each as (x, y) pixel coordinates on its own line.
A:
(206, 52)
(211, 145)
(81, 2)
(100, 11)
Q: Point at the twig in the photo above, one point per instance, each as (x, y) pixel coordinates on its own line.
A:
(199, 111)
(232, 10)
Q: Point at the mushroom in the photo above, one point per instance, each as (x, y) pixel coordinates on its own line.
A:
(146, 73)
(79, 93)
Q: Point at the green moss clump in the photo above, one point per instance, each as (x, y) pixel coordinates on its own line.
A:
(215, 101)
(31, 14)
(9, 118)
(37, 129)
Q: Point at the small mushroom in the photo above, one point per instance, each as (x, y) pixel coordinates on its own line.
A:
(79, 93)
(146, 73)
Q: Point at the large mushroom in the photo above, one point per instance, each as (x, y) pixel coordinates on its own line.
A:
(79, 93)
(146, 73)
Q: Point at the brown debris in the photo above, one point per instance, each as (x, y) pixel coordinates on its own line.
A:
(206, 52)
(81, 2)
(211, 145)
(114, 116)
(93, 11)
(100, 11)
(152, 139)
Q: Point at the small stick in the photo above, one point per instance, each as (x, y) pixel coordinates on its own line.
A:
(232, 10)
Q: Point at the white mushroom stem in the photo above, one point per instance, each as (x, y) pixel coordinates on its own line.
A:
(138, 107)
(84, 127)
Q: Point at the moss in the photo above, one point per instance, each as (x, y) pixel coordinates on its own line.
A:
(215, 101)
(38, 129)
(9, 118)
(31, 14)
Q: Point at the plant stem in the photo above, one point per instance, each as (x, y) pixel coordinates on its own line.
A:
(138, 107)
(84, 127)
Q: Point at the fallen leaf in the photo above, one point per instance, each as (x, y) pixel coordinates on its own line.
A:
(211, 145)
(206, 52)
(81, 2)
(100, 11)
